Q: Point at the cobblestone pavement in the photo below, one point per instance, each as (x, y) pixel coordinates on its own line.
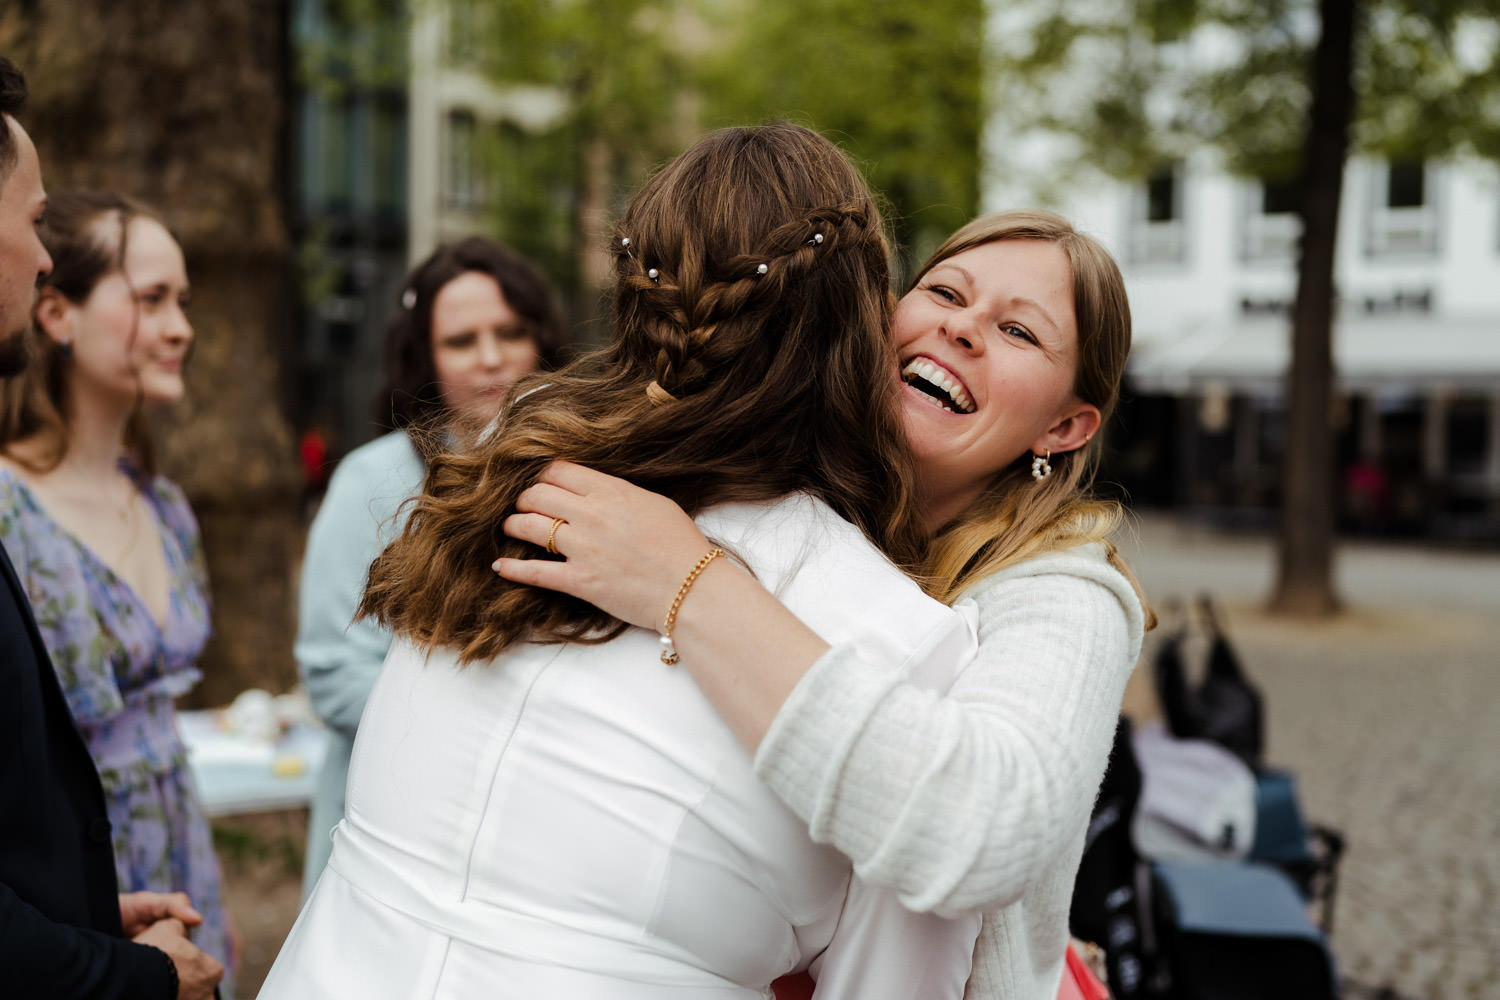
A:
(1389, 716)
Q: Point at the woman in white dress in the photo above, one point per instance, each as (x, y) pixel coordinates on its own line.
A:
(540, 803)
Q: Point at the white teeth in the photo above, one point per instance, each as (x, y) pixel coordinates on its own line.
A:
(931, 373)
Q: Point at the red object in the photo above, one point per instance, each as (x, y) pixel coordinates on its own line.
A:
(1078, 983)
(313, 451)
(797, 987)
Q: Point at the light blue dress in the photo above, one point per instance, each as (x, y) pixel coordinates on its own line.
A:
(121, 670)
(338, 657)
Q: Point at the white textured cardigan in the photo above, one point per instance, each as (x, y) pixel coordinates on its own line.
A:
(979, 798)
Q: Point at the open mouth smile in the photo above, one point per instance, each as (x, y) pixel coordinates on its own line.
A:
(945, 391)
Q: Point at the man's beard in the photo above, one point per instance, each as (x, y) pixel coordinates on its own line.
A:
(15, 353)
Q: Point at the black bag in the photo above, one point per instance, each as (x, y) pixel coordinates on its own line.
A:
(1224, 707)
(1111, 896)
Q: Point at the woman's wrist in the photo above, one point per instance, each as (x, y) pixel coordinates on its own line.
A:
(744, 649)
(669, 650)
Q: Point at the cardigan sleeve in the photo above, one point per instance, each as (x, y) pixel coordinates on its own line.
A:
(960, 800)
(337, 656)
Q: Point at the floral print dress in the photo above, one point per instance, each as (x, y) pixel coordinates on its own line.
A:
(120, 670)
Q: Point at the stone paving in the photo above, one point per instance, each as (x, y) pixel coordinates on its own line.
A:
(1389, 716)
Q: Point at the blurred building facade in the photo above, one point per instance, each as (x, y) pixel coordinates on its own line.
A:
(400, 140)
(1210, 261)
(463, 125)
(348, 142)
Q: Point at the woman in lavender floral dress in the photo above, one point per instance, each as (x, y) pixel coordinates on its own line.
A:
(109, 551)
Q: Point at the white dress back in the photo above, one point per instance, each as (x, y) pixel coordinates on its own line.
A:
(576, 821)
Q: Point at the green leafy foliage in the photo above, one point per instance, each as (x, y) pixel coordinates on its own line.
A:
(1134, 83)
(899, 87)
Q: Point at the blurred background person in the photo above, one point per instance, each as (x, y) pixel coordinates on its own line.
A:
(108, 549)
(474, 318)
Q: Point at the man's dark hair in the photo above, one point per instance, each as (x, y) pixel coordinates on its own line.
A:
(12, 99)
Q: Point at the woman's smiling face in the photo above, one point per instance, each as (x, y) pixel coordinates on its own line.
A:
(988, 345)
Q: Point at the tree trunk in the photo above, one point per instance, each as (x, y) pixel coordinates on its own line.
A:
(1305, 581)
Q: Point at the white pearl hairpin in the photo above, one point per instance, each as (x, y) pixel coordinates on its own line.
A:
(762, 269)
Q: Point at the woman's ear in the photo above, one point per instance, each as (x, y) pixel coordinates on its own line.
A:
(1079, 423)
(54, 314)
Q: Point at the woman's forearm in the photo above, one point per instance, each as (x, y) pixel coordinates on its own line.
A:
(962, 800)
(743, 647)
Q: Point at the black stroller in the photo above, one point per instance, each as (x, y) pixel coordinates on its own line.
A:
(1224, 917)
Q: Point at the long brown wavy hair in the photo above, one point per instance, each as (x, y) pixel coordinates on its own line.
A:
(1017, 517)
(749, 361)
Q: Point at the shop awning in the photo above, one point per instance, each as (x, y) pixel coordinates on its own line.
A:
(1390, 354)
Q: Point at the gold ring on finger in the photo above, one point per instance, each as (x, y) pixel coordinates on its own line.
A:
(557, 522)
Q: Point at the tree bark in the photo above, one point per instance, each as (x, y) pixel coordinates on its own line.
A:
(1305, 585)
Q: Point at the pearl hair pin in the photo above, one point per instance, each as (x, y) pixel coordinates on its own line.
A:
(762, 269)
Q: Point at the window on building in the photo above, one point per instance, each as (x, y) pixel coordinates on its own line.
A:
(1407, 185)
(1157, 229)
(470, 30)
(388, 158)
(1273, 223)
(1280, 197)
(1402, 218)
(328, 180)
(463, 186)
(1161, 196)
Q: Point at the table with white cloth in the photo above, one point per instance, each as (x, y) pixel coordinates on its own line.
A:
(240, 773)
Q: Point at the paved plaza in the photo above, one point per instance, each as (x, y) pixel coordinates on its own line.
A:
(1390, 718)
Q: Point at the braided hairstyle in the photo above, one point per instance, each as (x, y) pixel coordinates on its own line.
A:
(749, 361)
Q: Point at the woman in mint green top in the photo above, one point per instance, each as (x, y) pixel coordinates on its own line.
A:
(474, 317)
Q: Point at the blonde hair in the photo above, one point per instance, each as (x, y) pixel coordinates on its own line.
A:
(1018, 517)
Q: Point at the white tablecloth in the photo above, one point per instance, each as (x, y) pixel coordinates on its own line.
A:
(238, 774)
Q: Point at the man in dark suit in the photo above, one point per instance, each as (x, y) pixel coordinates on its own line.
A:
(64, 930)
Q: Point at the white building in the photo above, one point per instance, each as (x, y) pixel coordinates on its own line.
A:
(1210, 264)
(454, 111)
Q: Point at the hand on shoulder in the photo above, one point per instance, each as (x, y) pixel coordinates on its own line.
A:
(626, 550)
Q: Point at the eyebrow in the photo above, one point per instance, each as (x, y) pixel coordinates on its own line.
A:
(1019, 300)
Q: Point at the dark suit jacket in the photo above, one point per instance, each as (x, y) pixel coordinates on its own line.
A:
(60, 934)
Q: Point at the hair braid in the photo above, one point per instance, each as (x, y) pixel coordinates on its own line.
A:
(685, 323)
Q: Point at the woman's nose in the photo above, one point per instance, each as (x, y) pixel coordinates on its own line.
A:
(178, 326)
(963, 329)
(491, 354)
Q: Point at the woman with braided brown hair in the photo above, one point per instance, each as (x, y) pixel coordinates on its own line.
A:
(540, 803)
